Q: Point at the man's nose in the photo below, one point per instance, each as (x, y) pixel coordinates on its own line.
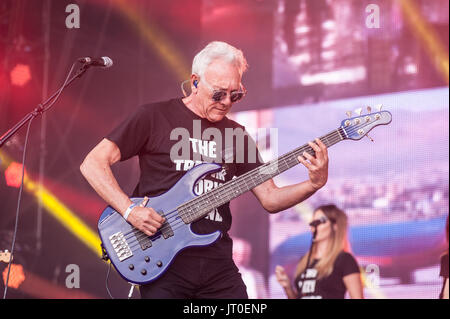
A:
(227, 100)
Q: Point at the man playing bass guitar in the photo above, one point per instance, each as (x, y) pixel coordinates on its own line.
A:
(153, 133)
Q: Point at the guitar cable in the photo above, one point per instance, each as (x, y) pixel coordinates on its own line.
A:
(23, 173)
(106, 281)
(130, 293)
(17, 210)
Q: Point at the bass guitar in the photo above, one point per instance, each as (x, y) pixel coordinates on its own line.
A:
(140, 258)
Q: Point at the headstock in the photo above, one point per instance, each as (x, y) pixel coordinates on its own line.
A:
(355, 128)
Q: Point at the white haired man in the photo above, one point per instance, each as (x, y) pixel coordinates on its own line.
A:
(199, 272)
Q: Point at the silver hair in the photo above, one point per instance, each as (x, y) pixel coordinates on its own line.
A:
(218, 50)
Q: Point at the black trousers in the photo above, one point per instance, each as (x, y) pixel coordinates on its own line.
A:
(192, 277)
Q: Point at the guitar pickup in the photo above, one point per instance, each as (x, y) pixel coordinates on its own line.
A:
(143, 240)
(146, 243)
(166, 229)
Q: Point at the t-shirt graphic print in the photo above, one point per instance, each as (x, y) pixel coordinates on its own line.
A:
(170, 139)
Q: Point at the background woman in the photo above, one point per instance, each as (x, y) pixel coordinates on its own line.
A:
(332, 269)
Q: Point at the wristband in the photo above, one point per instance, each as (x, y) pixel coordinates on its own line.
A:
(128, 211)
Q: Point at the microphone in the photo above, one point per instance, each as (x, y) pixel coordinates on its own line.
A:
(104, 61)
(317, 222)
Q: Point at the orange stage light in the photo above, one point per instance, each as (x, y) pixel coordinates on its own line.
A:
(13, 175)
(16, 276)
(20, 75)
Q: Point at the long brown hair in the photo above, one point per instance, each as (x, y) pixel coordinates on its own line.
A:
(446, 232)
(339, 242)
(446, 236)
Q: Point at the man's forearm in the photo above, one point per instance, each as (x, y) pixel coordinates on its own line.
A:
(281, 198)
(102, 180)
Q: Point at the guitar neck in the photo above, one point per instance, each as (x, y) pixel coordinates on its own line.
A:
(200, 206)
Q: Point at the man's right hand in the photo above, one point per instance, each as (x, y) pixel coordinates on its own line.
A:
(146, 219)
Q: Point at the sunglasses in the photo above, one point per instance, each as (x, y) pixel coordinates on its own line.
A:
(235, 96)
(219, 95)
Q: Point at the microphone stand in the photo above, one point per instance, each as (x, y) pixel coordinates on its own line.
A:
(40, 109)
(303, 275)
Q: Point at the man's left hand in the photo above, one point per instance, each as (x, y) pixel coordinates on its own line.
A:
(317, 165)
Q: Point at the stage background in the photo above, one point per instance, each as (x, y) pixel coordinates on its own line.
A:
(310, 62)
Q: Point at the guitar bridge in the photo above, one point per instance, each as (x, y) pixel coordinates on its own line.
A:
(120, 246)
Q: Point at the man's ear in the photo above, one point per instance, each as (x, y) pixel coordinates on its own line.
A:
(194, 83)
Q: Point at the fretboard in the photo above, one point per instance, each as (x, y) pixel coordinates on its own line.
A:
(200, 206)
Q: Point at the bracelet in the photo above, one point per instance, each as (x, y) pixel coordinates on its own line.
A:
(128, 211)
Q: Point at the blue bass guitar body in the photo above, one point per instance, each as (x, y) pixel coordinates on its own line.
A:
(141, 259)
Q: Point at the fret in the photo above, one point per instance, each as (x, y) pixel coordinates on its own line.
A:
(203, 204)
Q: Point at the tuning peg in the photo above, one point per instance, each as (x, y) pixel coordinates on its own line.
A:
(349, 113)
(369, 137)
(358, 111)
(369, 109)
(379, 107)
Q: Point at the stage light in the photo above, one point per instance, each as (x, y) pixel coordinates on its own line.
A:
(411, 68)
(155, 38)
(39, 287)
(300, 59)
(329, 41)
(13, 175)
(302, 29)
(55, 207)
(328, 55)
(20, 75)
(429, 38)
(329, 25)
(346, 75)
(16, 276)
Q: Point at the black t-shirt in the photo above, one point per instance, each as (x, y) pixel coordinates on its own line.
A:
(444, 272)
(330, 287)
(170, 139)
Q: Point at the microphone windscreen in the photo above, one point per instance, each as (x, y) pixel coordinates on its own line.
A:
(108, 61)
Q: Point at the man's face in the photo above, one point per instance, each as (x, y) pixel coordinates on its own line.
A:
(221, 76)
